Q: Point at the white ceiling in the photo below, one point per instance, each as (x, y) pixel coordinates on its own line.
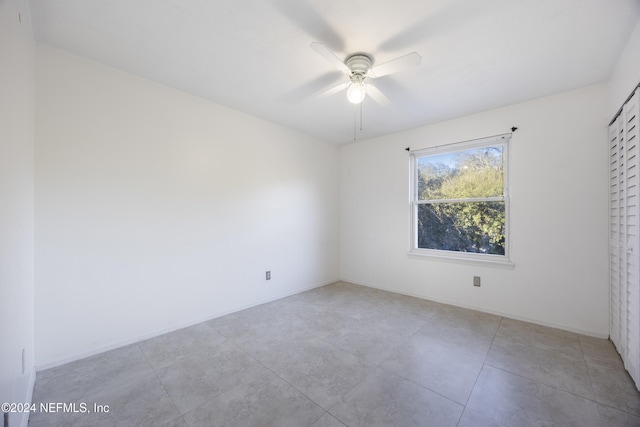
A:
(254, 55)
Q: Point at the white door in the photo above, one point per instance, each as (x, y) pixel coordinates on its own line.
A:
(624, 169)
(632, 123)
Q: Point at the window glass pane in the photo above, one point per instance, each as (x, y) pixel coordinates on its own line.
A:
(473, 173)
(463, 227)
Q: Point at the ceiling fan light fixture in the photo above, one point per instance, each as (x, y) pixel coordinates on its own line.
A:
(357, 90)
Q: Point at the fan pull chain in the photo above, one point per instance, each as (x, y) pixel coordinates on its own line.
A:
(354, 122)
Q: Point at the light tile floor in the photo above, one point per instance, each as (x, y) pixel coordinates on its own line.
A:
(347, 355)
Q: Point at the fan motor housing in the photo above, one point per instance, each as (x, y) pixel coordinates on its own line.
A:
(359, 63)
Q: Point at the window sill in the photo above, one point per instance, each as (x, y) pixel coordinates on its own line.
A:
(495, 261)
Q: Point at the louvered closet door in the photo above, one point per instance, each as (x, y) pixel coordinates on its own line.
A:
(616, 239)
(632, 246)
(624, 210)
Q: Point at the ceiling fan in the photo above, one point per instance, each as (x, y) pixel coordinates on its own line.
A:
(359, 67)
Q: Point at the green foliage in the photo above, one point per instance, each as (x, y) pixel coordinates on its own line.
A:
(474, 226)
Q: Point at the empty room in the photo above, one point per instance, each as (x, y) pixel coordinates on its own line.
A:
(320, 213)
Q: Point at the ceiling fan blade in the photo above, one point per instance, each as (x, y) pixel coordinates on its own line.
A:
(375, 94)
(335, 89)
(330, 56)
(307, 18)
(313, 87)
(402, 63)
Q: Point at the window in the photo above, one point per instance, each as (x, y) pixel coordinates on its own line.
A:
(460, 201)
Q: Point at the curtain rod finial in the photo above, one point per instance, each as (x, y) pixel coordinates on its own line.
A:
(408, 149)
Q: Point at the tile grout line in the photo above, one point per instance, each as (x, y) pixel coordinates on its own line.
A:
(181, 415)
(475, 383)
(593, 390)
(326, 411)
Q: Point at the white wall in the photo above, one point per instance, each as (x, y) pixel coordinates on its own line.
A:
(156, 209)
(16, 205)
(626, 75)
(558, 176)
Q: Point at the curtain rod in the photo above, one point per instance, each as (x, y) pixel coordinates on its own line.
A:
(513, 129)
(615, 116)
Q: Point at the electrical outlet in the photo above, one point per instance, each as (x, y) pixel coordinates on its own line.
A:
(268, 275)
(476, 281)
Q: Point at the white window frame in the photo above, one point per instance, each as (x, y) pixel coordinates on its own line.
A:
(455, 256)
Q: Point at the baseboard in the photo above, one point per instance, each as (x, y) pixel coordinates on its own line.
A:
(481, 309)
(22, 418)
(158, 332)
